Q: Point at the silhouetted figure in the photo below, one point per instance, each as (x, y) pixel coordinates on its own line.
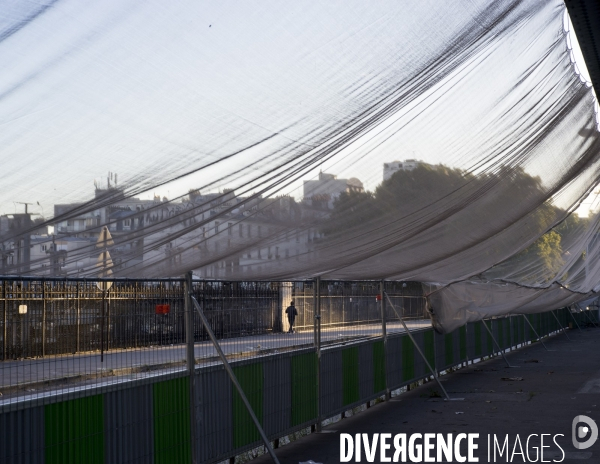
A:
(291, 312)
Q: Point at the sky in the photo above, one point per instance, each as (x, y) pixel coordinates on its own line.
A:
(141, 89)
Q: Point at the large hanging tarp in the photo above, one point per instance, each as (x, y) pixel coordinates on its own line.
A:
(242, 111)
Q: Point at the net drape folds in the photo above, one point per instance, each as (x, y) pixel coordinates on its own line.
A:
(239, 110)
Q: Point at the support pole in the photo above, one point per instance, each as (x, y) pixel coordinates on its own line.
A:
(584, 311)
(573, 317)
(188, 316)
(318, 347)
(560, 325)
(5, 324)
(44, 318)
(234, 379)
(108, 293)
(435, 376)
(497, 345)
(384, 335)
(78, 322)
(535, 332)
(102, 328)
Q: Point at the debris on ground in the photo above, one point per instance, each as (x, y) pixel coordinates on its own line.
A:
(512, 379)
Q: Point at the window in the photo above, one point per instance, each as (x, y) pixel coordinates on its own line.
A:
(217, 227)
(70, 223)
(230, 228)
(43, 247)
(241, 230)
(249, 230)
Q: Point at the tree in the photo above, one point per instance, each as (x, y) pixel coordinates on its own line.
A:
(454, 210)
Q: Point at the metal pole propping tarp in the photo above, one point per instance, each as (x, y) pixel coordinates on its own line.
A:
(233, 378)
(416, 345)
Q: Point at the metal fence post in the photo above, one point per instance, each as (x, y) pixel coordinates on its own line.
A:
(102, 328)
(535, 332)
(43, 318)
(560, 325)
(384, 335)
(317, 296)
(108, 337)
(416, 345)
(190, 358)
(466, 343)
(4, 328)
(78, 321)
(573, 317)
(496, 343)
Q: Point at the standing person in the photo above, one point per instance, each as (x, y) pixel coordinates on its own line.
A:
(291, 312)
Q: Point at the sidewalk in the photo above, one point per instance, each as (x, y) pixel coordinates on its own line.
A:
(556, 387)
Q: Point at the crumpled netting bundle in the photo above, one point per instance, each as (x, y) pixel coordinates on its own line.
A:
(241, 102)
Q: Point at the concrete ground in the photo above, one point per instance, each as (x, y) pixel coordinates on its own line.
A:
(53, 373)
(556, 387)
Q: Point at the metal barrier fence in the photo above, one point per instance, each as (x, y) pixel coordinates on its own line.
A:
(171, 414)
(53, 317)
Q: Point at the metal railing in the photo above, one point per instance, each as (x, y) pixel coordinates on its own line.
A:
(49, 317)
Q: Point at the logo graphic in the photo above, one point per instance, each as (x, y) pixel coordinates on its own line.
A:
(590, 430)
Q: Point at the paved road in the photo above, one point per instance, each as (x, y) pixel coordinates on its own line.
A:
(542, 396)
(143, 362)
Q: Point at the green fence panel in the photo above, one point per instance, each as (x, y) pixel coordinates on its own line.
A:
(408, 359)
(478, 343)
(448, 349)
(171, 406)
(304, 388)
(517, 330)
(379, 375)
(499, 332)
(532, 336)
(350, 375)
(488, 338)
(74, 431)
(251, 380)
(429, 350)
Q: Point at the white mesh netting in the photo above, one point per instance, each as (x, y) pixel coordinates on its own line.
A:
(238, 114)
